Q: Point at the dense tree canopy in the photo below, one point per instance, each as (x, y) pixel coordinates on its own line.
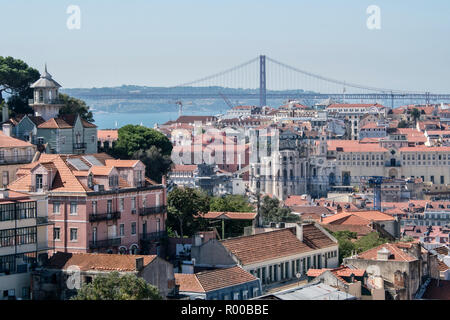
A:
(113, 286)
(230, 203)
(15, 79)
(75, 106)
(133, 138)
(349, 243)
(271, 211)
(182, 205)
(148, 145)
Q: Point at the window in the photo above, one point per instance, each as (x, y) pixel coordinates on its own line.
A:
(73, 234)
(121, 204)
(5, 178)
(133, 228)
(255, 292)
(236, 296)
(244, 294)
(56, 207)
(122, 230)
(94, 207)
(442, 179)
(56, 233)
(133, 203)
(73, 208)
(39, 182)
(92, 138)
(109, 206)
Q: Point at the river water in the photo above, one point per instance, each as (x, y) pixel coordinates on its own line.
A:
(106, 120)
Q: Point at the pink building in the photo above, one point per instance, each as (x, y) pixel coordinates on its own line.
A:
(97, 203)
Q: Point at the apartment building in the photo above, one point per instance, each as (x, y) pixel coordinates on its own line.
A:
(23, 239)
(97, 203)
(13, 154)
(275, 256)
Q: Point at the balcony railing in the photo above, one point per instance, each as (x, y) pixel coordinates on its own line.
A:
(151, 236)
(151, 210)
(79, 146)
(16, 159)
(45, 101)
(94, 217)
(114, 242)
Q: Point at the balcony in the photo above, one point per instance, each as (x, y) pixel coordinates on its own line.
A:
(95, 217)
(16, 159)
(79, 146)
(45, 101)
(152, 236)
(114, 242)
(151, 210)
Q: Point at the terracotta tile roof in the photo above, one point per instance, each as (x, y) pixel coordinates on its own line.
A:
(354, 146)
(108, 135)
(121, 163)
(10, 142)
(97, 261)
(276, 244)
(55, 123)
(341, 271)
(295, 200)
(357, 217)
(184, 167)
(188, 283)
(397, 254)
(230, 215)
(211, 280)
(101, 170)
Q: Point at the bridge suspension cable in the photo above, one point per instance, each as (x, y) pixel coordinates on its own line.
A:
(342, 83)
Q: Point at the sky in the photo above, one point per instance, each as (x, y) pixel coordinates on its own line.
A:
(165, 43)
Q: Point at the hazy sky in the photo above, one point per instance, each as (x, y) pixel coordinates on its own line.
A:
(163, 43)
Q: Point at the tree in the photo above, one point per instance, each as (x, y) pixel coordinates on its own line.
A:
(156, 164)
(75, 106)
(402, 124)
(415, 113)
(272, 212)
(113, 286)
(182, 205)
(15, 79)
(133, 138)
(230, 203)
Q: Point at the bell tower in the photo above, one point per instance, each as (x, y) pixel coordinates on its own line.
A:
(45, 102)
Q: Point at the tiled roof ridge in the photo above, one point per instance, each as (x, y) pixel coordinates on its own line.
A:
(257, 234)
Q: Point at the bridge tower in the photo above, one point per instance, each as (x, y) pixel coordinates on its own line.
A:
(262, 81)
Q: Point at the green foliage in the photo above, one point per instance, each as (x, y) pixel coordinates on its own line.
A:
(15, 79)
(133, 138)
(415, 113)
(230, 203)
(272, 212)
(346, 245)
(156, 164)
(182, 205)
(403, 124)
(113, 286)
(75, 106)
(148, 145)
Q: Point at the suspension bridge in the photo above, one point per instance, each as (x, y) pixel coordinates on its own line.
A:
(264, 78)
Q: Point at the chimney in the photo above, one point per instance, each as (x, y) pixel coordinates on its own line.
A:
(299, 231)
(6, 128)
(139, 264)
(198, 240)
(164, 180)
(5, 113)
(4, 194)
(383, 254)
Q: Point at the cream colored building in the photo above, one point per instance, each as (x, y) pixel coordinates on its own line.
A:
(23, 237)
(14, 153)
